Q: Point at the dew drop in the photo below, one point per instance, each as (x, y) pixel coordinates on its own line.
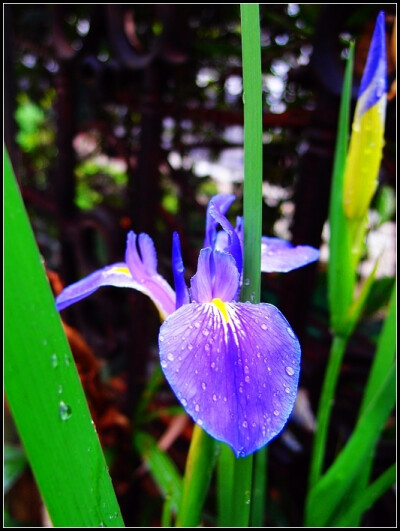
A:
(197, 324)
(204, 386)
(64, 411)
(205, 332)
(289, 371)
(190, 346)
(59, 389)
(246, 282)
(245, 424)
(161, 338)
(164, 364)
(276, 412)
(197, 407)
(247, 379)
(54, 361)
(183, 402)
(170, 356)
(264, 326)
(200, 422)
(214, 398)
(290, 332)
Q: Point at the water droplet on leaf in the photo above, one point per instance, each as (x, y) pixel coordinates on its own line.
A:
(64, 411)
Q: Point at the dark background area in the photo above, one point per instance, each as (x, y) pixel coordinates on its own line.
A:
(122, 117)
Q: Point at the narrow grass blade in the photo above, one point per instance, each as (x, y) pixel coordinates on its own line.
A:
(341, 273)
(161, 468)
(341, 279)
(336, 354)
(383, 360)
(199, 468)
(326, 496)
(367, 498)
(42, 385)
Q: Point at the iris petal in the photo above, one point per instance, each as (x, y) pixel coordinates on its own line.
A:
(280, 256)
(139, 273)
(182, 293)
(221, 203)
(114, 275)
(235, 369)
(234, 248)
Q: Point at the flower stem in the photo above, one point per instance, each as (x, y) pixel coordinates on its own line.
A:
(199, 468)
(239, 485)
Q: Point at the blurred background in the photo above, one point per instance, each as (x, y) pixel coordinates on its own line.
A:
(120, 117)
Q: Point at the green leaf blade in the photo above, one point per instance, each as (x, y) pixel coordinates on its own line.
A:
(43, 389)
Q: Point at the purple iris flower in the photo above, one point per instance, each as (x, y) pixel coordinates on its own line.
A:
(233, 366)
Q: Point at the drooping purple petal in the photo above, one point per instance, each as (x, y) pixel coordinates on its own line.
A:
(235, 369)
(280, 256)
(114, 275)
(178, 269)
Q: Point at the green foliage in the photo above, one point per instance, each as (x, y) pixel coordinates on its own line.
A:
(161, 467)
(15, 463)
(43, 389)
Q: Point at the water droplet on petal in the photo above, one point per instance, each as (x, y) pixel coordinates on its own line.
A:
(276, 412)
(290, 332)
(204, 386)
(170, 356)
(164, 364)
(289, 371)
(244, 424)
(183, 402)
(54, 361)
(214, 398)
(264, 326)
(200, 422)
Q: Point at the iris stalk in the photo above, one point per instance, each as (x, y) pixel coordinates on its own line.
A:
(241, 488)
(340, 294)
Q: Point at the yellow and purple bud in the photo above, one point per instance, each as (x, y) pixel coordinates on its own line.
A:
(367, 137)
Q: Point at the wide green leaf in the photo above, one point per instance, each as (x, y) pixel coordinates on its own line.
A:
(42, 385)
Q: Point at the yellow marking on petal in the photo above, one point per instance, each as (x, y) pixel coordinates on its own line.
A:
(222, 308)
(124, 270)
